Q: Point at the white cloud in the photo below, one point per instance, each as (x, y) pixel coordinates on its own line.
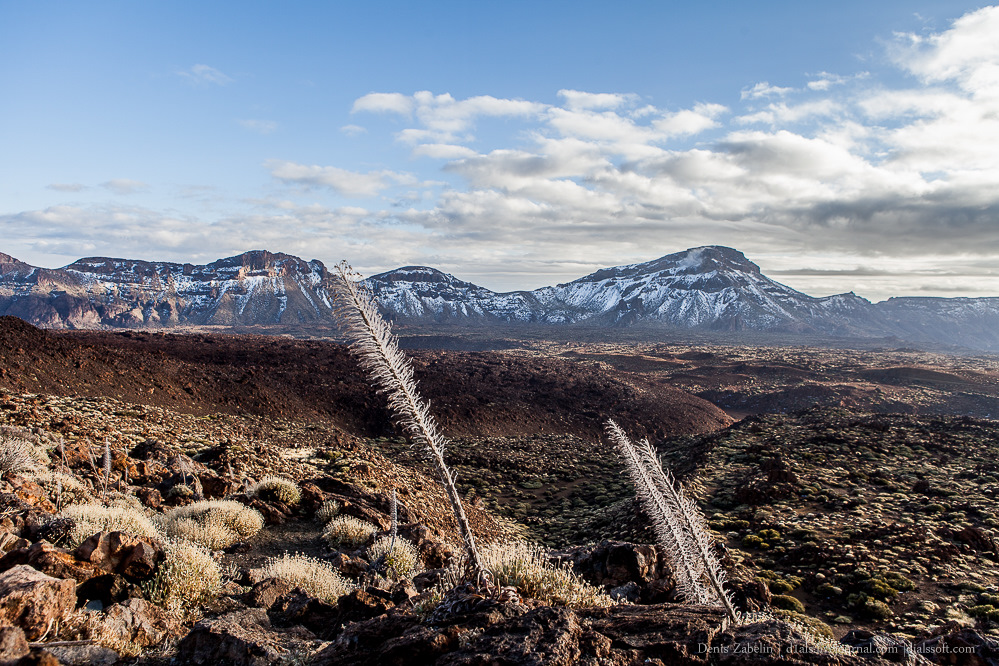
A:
(763, 90)
(442, 151)
(384, 103)
(342, 181)
(259, 126)
(66, 187)
(576, 100)
(125, 186)
(968, 53)
(204, 75)
(353, 130)
(444, 119)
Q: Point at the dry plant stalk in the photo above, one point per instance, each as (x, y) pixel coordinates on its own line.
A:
(371, 339)
(678, 523)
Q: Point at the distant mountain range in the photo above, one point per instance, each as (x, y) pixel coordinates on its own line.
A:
(708, 288)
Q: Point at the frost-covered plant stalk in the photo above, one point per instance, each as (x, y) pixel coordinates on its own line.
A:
(377, 348)
(678, 523)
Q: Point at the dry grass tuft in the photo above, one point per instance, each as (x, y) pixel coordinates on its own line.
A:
(188, 577)
(214, 524)
(348, 532)
(16, 456)
(316, 577)
(401, 558)
(272, 488)
(89, 519)
(62, 489)
(327, 511)
(525, 566)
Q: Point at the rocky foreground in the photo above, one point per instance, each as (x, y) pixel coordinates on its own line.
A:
(849, 537)
(92, 604)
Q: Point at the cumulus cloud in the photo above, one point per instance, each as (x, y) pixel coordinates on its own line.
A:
(125, 186)
(203, 75)
(444, 119)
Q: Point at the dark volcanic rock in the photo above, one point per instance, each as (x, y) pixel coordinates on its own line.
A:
(242, 638)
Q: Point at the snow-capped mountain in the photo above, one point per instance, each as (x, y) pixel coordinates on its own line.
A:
(253, 288)
(709, 288)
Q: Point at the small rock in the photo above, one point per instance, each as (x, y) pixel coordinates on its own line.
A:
(266, 592)
(628, 592)
(141, 622)
(84, 655)
(13, 643)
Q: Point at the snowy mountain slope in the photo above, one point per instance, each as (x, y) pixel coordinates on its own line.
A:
(252, 288)
(710, 288)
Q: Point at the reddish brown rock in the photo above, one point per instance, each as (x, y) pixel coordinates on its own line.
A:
(141, 622)
(13, 644)
(266, 592)
(32, 600)
(121, 553)
(139, 561)
(150, 497)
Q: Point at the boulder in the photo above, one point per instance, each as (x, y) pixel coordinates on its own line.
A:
(141, 622)
(117, 552)
(546, 635)
(242, 638)
(32, 600)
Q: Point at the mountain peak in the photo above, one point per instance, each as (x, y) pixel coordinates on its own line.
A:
(420, 274)
(711, 257)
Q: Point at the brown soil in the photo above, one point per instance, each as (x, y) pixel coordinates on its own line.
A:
(471, 393)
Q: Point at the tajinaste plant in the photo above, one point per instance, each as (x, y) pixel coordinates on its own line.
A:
(678, 523)
(371, 339)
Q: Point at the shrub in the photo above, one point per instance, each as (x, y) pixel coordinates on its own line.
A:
(878, 610)
(328, 510)
(779, 586)
(272, 488)
(403, 559)
(187, 578)
(811, 625)
(525, 566)
(89, 519)
(16, 456)
(787, 602)
(316, 577)
(214, 524)
(62, 489)
(985, 612)
(348, 532)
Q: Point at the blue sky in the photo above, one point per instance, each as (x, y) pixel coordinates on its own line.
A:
(514, 144)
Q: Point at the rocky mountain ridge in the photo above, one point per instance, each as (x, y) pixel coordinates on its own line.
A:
(709, 288)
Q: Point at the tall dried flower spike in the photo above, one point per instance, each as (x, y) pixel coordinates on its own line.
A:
(678, 523)
(371, 339)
